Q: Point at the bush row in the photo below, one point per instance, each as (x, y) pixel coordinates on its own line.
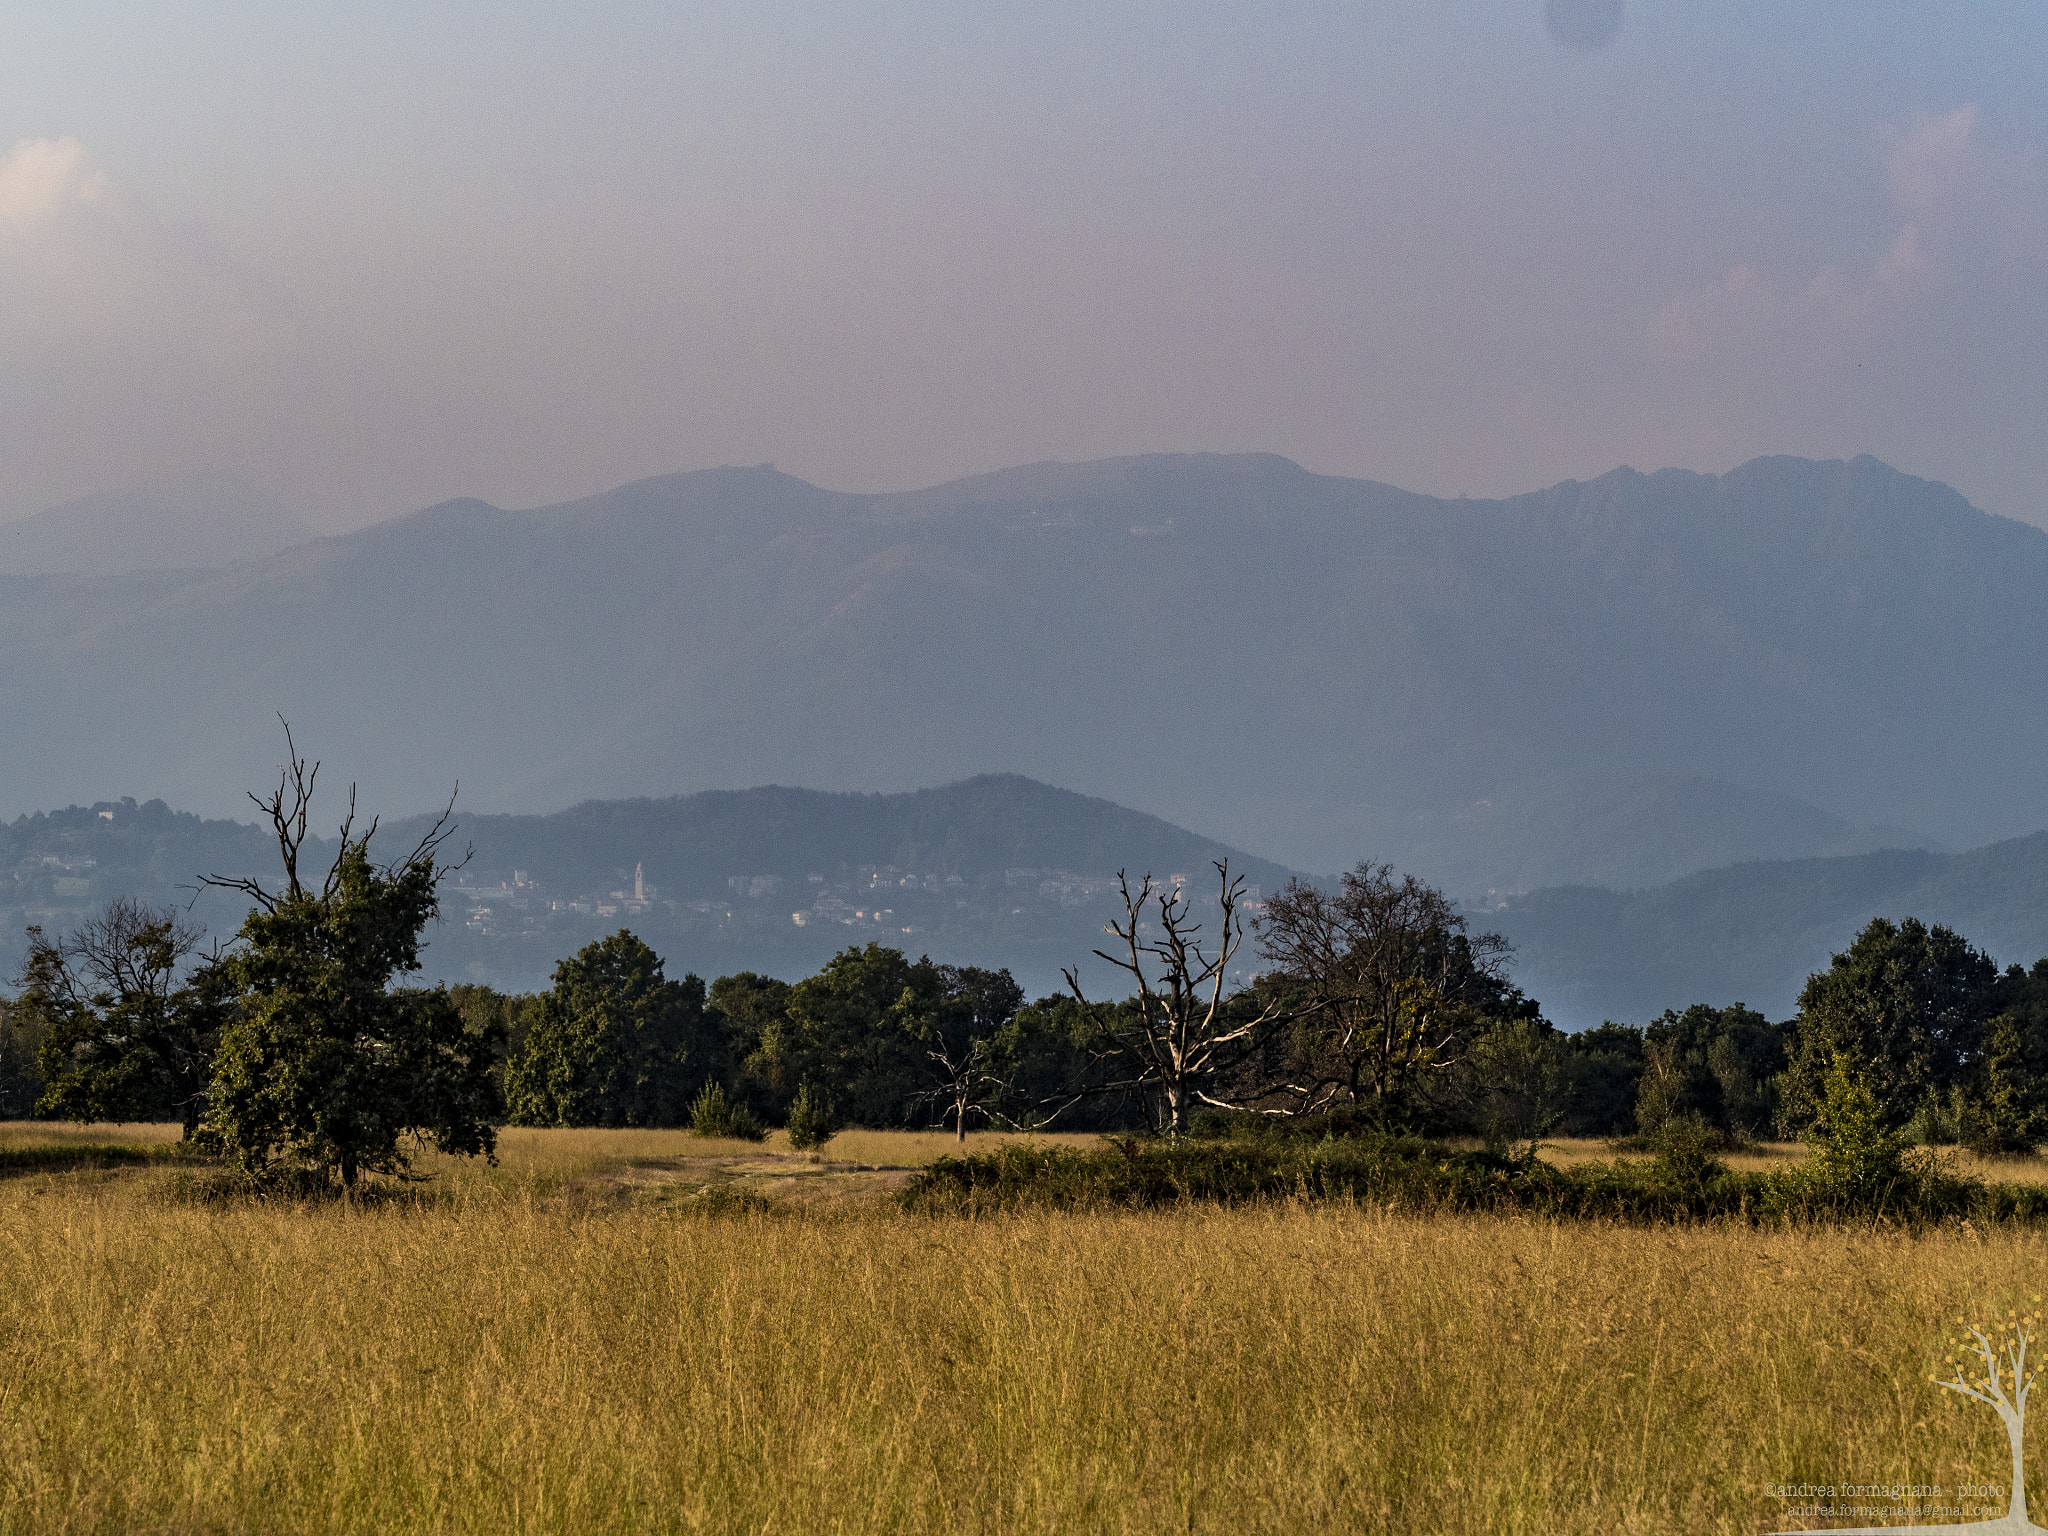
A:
(1408, 1174)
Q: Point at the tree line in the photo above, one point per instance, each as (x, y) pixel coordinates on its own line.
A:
(1950, 1049)
(1366, 1007)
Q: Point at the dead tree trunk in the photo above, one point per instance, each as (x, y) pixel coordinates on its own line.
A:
(1181, 1033)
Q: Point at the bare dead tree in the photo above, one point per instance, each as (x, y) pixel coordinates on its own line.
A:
(975, 1073)
(289, 808)
(128, 950)
(127, 1033)
(971, 1083)
(1388, 984)
(1181, 1035)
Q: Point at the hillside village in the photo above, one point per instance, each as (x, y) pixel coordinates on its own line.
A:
(518, 902)
(509, 921)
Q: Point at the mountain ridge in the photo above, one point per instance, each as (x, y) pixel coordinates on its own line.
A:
(198, 523)
(1327, 668)
(996, 870)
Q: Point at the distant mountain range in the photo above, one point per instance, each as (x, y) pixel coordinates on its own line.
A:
(1617, 681)
(197, 525)
(696, 844)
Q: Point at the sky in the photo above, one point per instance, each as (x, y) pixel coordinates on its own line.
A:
(367, 257)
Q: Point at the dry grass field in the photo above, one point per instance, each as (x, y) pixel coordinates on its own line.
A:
(571, 1343)
(1764, 1156)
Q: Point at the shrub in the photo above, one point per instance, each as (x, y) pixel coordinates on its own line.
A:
(1853, 1156)
(811, 1119)
(1940, 1121)
(713, 1114)
(1685, 1163)
(1683, 1183)
(2004, 1120)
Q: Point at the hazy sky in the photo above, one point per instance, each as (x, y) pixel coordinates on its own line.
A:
(371, 256)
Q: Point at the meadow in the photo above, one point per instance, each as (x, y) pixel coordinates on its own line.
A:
(579, 1340)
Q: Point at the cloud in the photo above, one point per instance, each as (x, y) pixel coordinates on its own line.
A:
(85, 266)
(42, 179)
(119, 327)
(1927, 162)
(1743, 306)
(1960, 204)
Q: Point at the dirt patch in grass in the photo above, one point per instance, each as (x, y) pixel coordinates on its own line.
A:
(780, 1178)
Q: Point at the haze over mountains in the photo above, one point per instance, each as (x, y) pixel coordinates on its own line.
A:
(1615, 682)
(1751, 933)
(200, 523)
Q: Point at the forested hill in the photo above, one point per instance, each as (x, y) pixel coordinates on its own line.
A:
(695, 845)
(996, 871)
(1683, 670)
(1751, 933)
(57, 867)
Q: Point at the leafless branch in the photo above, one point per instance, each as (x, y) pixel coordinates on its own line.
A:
(290, 807)
(1179, 1036)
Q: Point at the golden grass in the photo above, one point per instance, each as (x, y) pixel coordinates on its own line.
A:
(537, 1162)
(1765, 1156)
(47, 1133)
(1758, 1158)
(513, 1359)
(913, 1149)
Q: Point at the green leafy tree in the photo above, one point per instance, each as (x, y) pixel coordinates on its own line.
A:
(1719, 1064)
(21, 1079)
(1383, 991)
(614, 1043)
(813, 1118)
(2004, 1115)
(1054, 1074)
(1663, 1091)
(324, 1063)
(126, 1034)
(752, 1013)
(1851, 1154)
(1520, 1086)
(2023, 994)
(2006, 1103)
(1906, 1004)
(1603, 1070)
(510, 1013)
(855, 1025)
